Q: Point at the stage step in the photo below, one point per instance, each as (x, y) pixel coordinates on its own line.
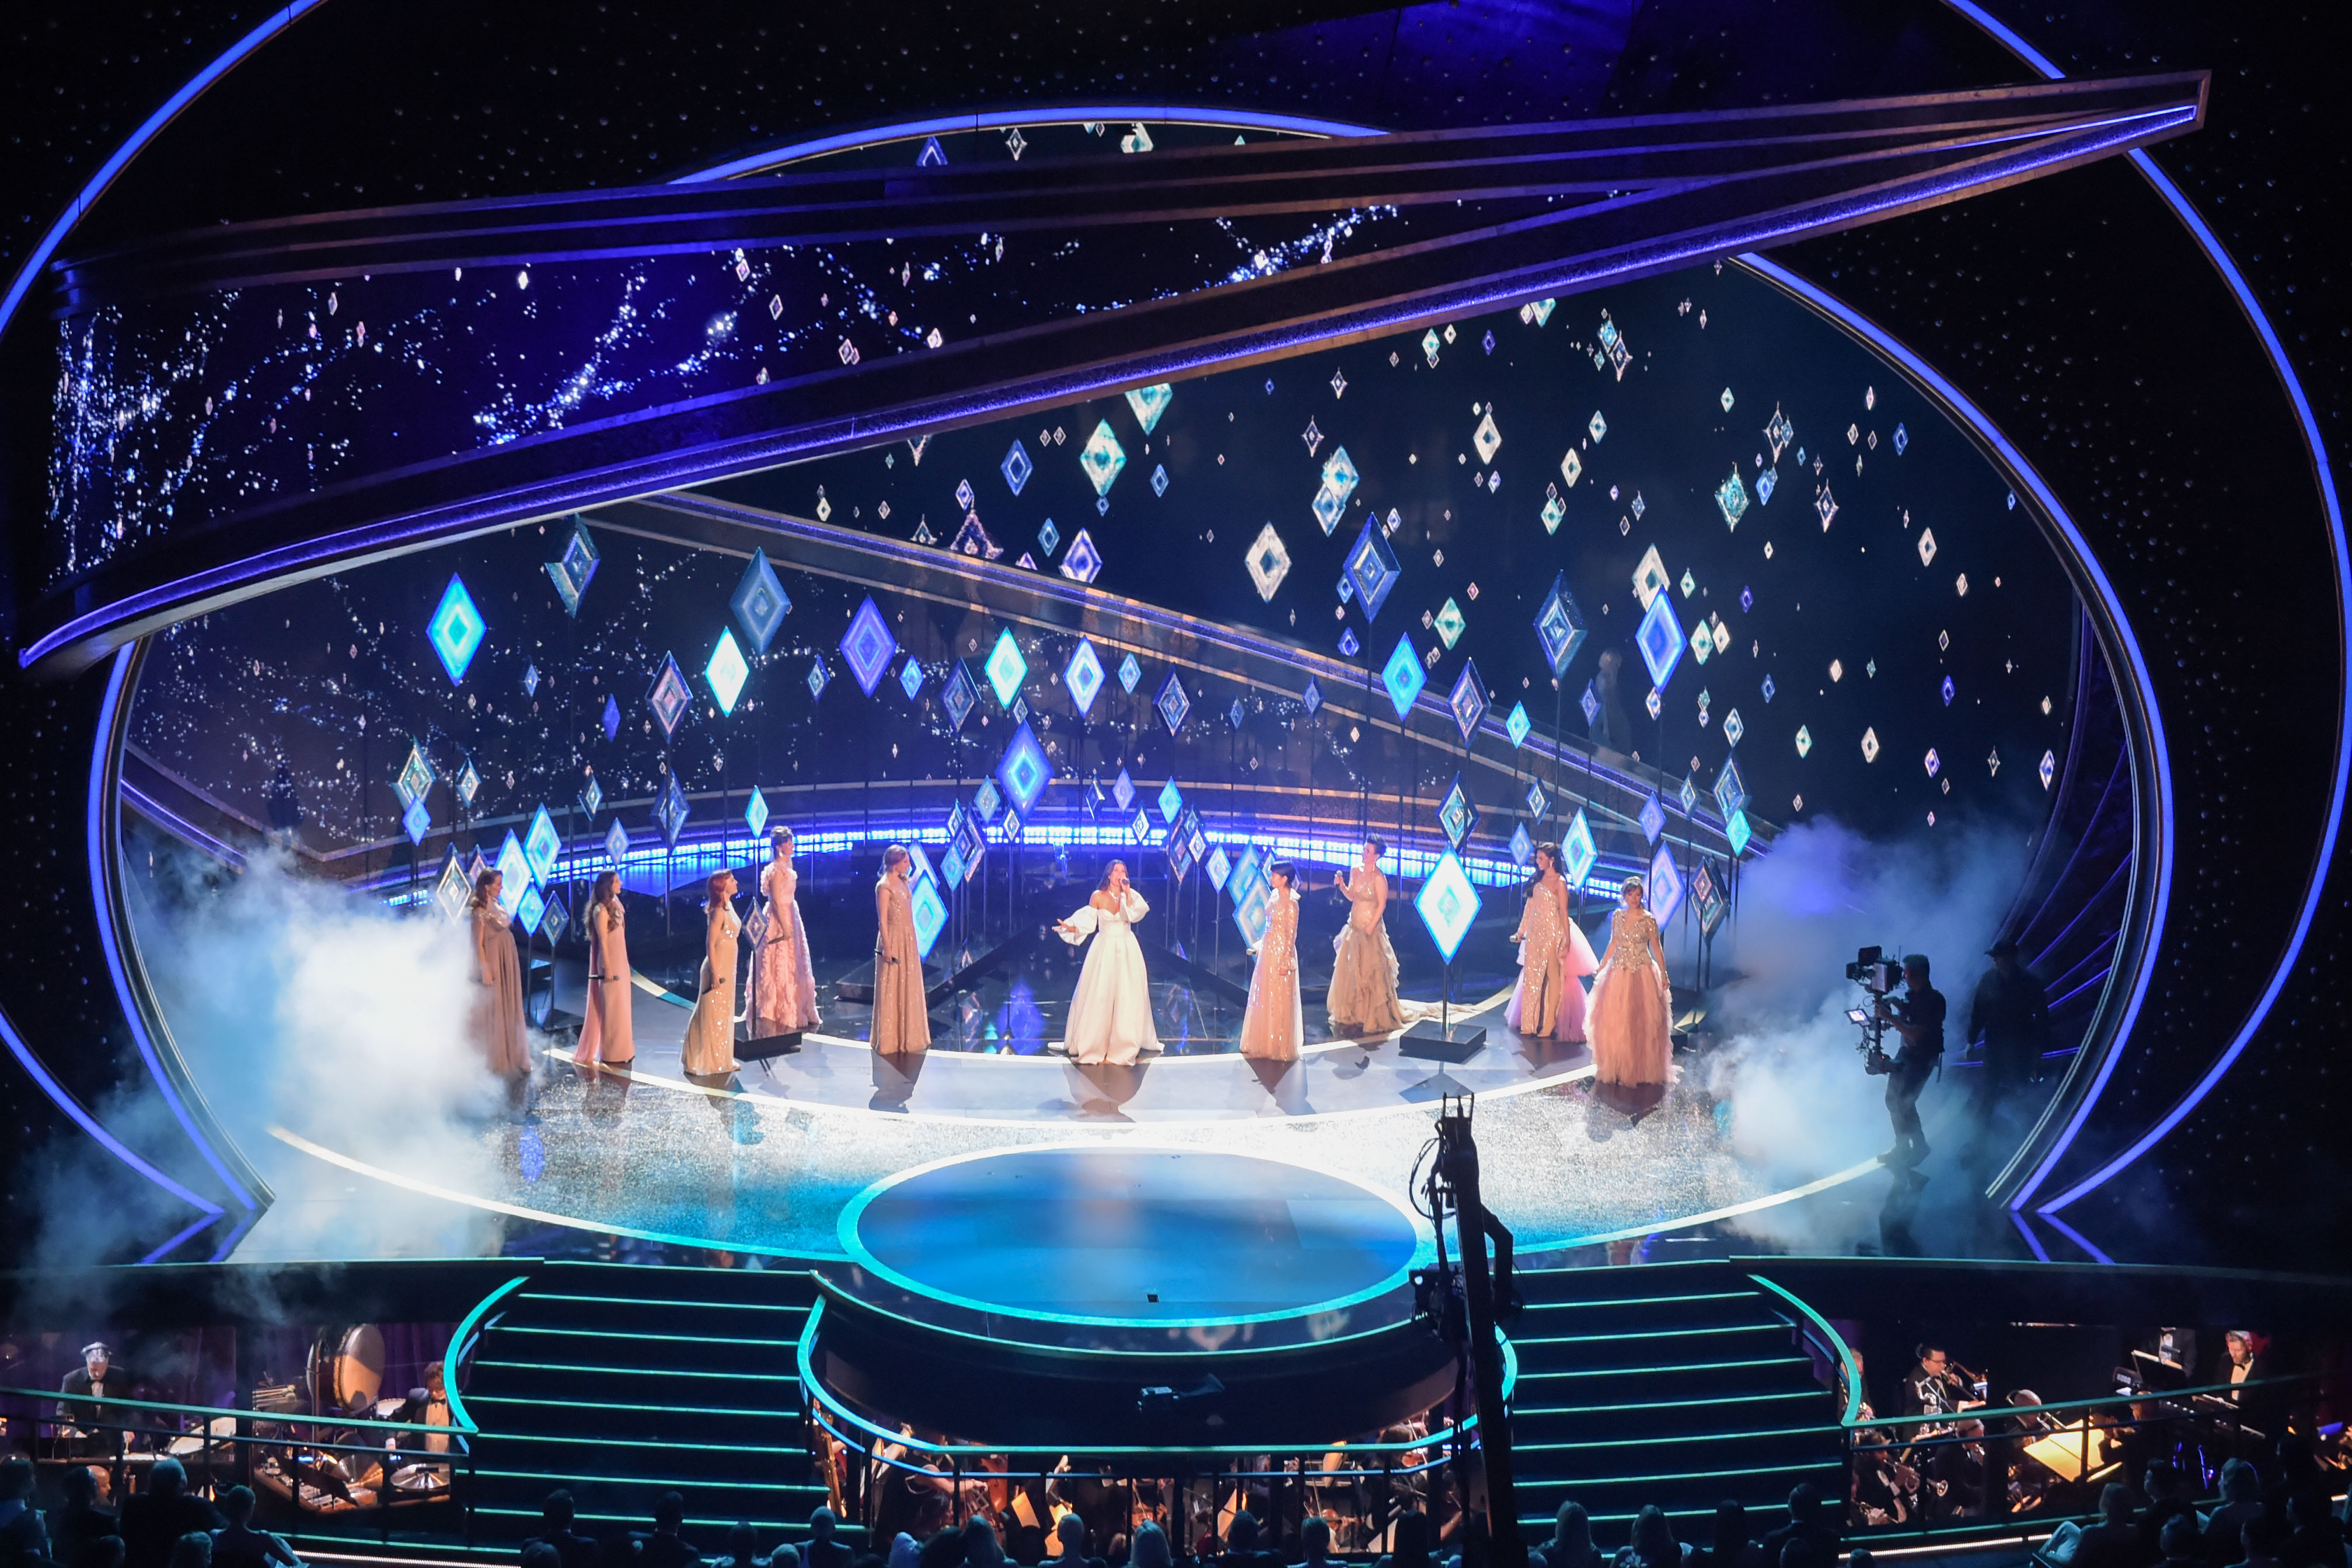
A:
(1674, 1384)
(623, 1382)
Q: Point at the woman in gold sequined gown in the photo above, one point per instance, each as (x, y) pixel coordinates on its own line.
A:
(1629, 1017)
(1548, 1001)
(1363, 996)
(709, 1047)
(1274, 1024)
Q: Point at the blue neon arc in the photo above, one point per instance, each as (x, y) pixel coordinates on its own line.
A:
(2330, 501)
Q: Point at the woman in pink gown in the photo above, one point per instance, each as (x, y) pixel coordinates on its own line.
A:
(1274, 1025)
(608, 1036)
(1549, 999)
(710, 1045)
(902, 1021)
(1630, 1018)
(1363, 996)
(497, 1026)
(783, 991)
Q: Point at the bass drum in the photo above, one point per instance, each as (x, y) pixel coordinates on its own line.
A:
(347, 1368)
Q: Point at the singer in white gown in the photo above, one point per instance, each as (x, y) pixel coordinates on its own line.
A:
(1110, 1014)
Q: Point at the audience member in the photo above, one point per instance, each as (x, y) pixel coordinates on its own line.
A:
(906, 1551)
(1570, 1545)
(540, 1554)
(573, 1549)
(1242, 1549)
(2262, 1538)
(2317, 1536)
(78, 1523)
(1410, 1543)
(20, 1528)
(944, 1550)
(194, 1550)
(1654, 1544)
(981, 1547)
(666, 1546)
(1858, 1558)
(787, 1555)
(2167, 1498)
(1735, 1545)
(2241, 1499)
(743, 1547)
(1314, 1543)
(237, 1545)
(2180, 1542)
(822, 1551)
(155, 1521)
(106, 1552)
(1807, 1540)
(1149, 1548)
(2115, 1541)
(1077, 1543)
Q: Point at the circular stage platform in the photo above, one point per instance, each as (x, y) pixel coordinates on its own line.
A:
(1118, 1235)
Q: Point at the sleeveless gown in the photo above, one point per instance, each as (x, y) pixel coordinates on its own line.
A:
(1549, 999)
(609, 1035)
(1363, 994)
(710, 1033)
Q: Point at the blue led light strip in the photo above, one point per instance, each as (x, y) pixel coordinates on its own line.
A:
(2330, 502)
(275, 23)
(2143, 684)
(102, 893)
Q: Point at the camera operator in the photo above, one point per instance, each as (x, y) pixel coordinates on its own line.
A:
(1918, 1017)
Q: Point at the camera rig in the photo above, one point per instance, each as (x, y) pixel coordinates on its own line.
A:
(1877, 977)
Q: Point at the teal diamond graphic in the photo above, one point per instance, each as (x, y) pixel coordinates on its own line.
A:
(1577, 852)
(542, 844)
(727, 672)
(760, 602)
(1402, 676)
(616, 841)
(1149, 404)
(1083, 675)
(456, 629)
(1456, 814)
(1007, 669)
(416, 780)
(1517, 726)
(755, 811)
(1102, 458)
(1447, 904)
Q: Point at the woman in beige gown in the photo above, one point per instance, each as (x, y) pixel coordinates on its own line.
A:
(608, 1035)
(902, 1015)
(1548, 1001)
(1363, 997)
(1274, 1024)
(498, 1027)
(711, 1033)
(783, 988)
(1630, 1015)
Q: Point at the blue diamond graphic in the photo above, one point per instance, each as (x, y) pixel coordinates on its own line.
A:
(1149, 404)
(1312, 697)
(1660, 639)
(1250, 868)
(727, 672)
(1948, 690)
(931, 913)
(1731, 789)
(910, 677)
(1537, 800)
(670, 811)
(1769, 688)
(415, 780)
(1102, 458)
(570, 571)
(531, 680)
(1518, 725)
(961, 694)
(1577, 852)
(1129, 674)
(755, 811)
(1736, 829)
(591, 799)
(1159, 479)
(1766, 483)
(1523, 848)
(760, 602)
(1082, 562)
(1236, 714)
(1250, 911)
(1023, 771)
(1330, 506)
(1171, 801)
(1173, 704)
(542, 844)
(1664, 893)
(1348, 646)
(1123, 791)
(612, 716)
(1447, 904)
(988, 801)
(1016, 466)
(1591, 703)
(417, 820)
(1048, 537)
(1731, 498)
(514, 872)
(1219, 867)
(1468, 700)
(456, 629)
(1084, 676)
(867, 646)
(1689, 793)
(1652, 819)
(1402, 676)
(1456, 814)
(1372, 568)
(817, 678)
(527, 912)
(1560, 626)
(1007, 669)
(669, 696)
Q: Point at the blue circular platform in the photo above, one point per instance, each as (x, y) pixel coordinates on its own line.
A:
(1113, 1234)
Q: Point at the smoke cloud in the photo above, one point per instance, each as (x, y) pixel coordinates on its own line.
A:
(1801, 1107)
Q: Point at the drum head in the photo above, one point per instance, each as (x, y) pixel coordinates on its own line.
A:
(359, 1366)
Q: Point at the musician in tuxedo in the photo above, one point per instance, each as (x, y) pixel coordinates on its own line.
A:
(2240, 1362)
(1928, 1389)
(99, 1376)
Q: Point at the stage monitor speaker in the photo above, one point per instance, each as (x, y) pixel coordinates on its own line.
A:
(1429, 1042)
(766, 1046)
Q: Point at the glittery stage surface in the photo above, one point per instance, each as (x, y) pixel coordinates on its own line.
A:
(765, 1160)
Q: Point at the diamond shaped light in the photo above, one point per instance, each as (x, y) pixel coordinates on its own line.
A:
(1402, 676)
(450, 890)
(1736, 829)
(1016, 466)
(1023, 771)
(669, 696)
(1372, 568)
(727, 672)
(1517, 726)
(910, 677)
(1102, 458)
(760, 602)
(867, 646)
(755, 811)
(1082, 562)
(959, 695)
(456, 629)
(1456, 813)
(415, 779)
(1130, 673)
(1731, 789)
(1653, 818)
(1250, 909)
(1537, 799)
(528, 912)
(542, 844)
(1869, 745)
(1650, 578)
(1122, 791)
(670, 811)
(1268, 561)
(1468, 700)
(1731, 498)
(416, 821)
(1522, 847)
(1173, 704)
(1805, 740)
(1328, 508)
(1660, 639)
(1560, 626)
(1149, 404)
(1339, 473)
(1664, 891)
(1577, 852)
(1488, 439)
(1447, 904)
(988, 801)
(514, 872)
(570, 571)
(592, 797)
(1172, 802)
(1007, 669)
(1083, 675)
(616, 841)
(1449, 623)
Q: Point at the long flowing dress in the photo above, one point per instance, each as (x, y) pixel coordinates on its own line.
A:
(784, 986)
(609, 1034)
(902, 1015)
(710, 1033)
(1111, 1012)
(1549, 999)
(1274, 1025)
(497, 1026)
(1363, 996)
(1630, 1018)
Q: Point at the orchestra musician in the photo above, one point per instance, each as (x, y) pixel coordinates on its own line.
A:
(1932, 1388)
(101, 1378)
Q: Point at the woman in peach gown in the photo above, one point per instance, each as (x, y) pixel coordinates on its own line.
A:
(1549, 999)
(497, 1023)
(709, 1048)
(1363, 996)
(902, 1014)
(1629, 1016)
(607, 1036)
(784, 986)
(1273, 1025)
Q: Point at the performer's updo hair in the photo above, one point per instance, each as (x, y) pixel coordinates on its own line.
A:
(1535, 868)
(893, 855)
(1632, 885)
(1283, 870)
(1380, 846)
(710, 894)
(782, 831)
